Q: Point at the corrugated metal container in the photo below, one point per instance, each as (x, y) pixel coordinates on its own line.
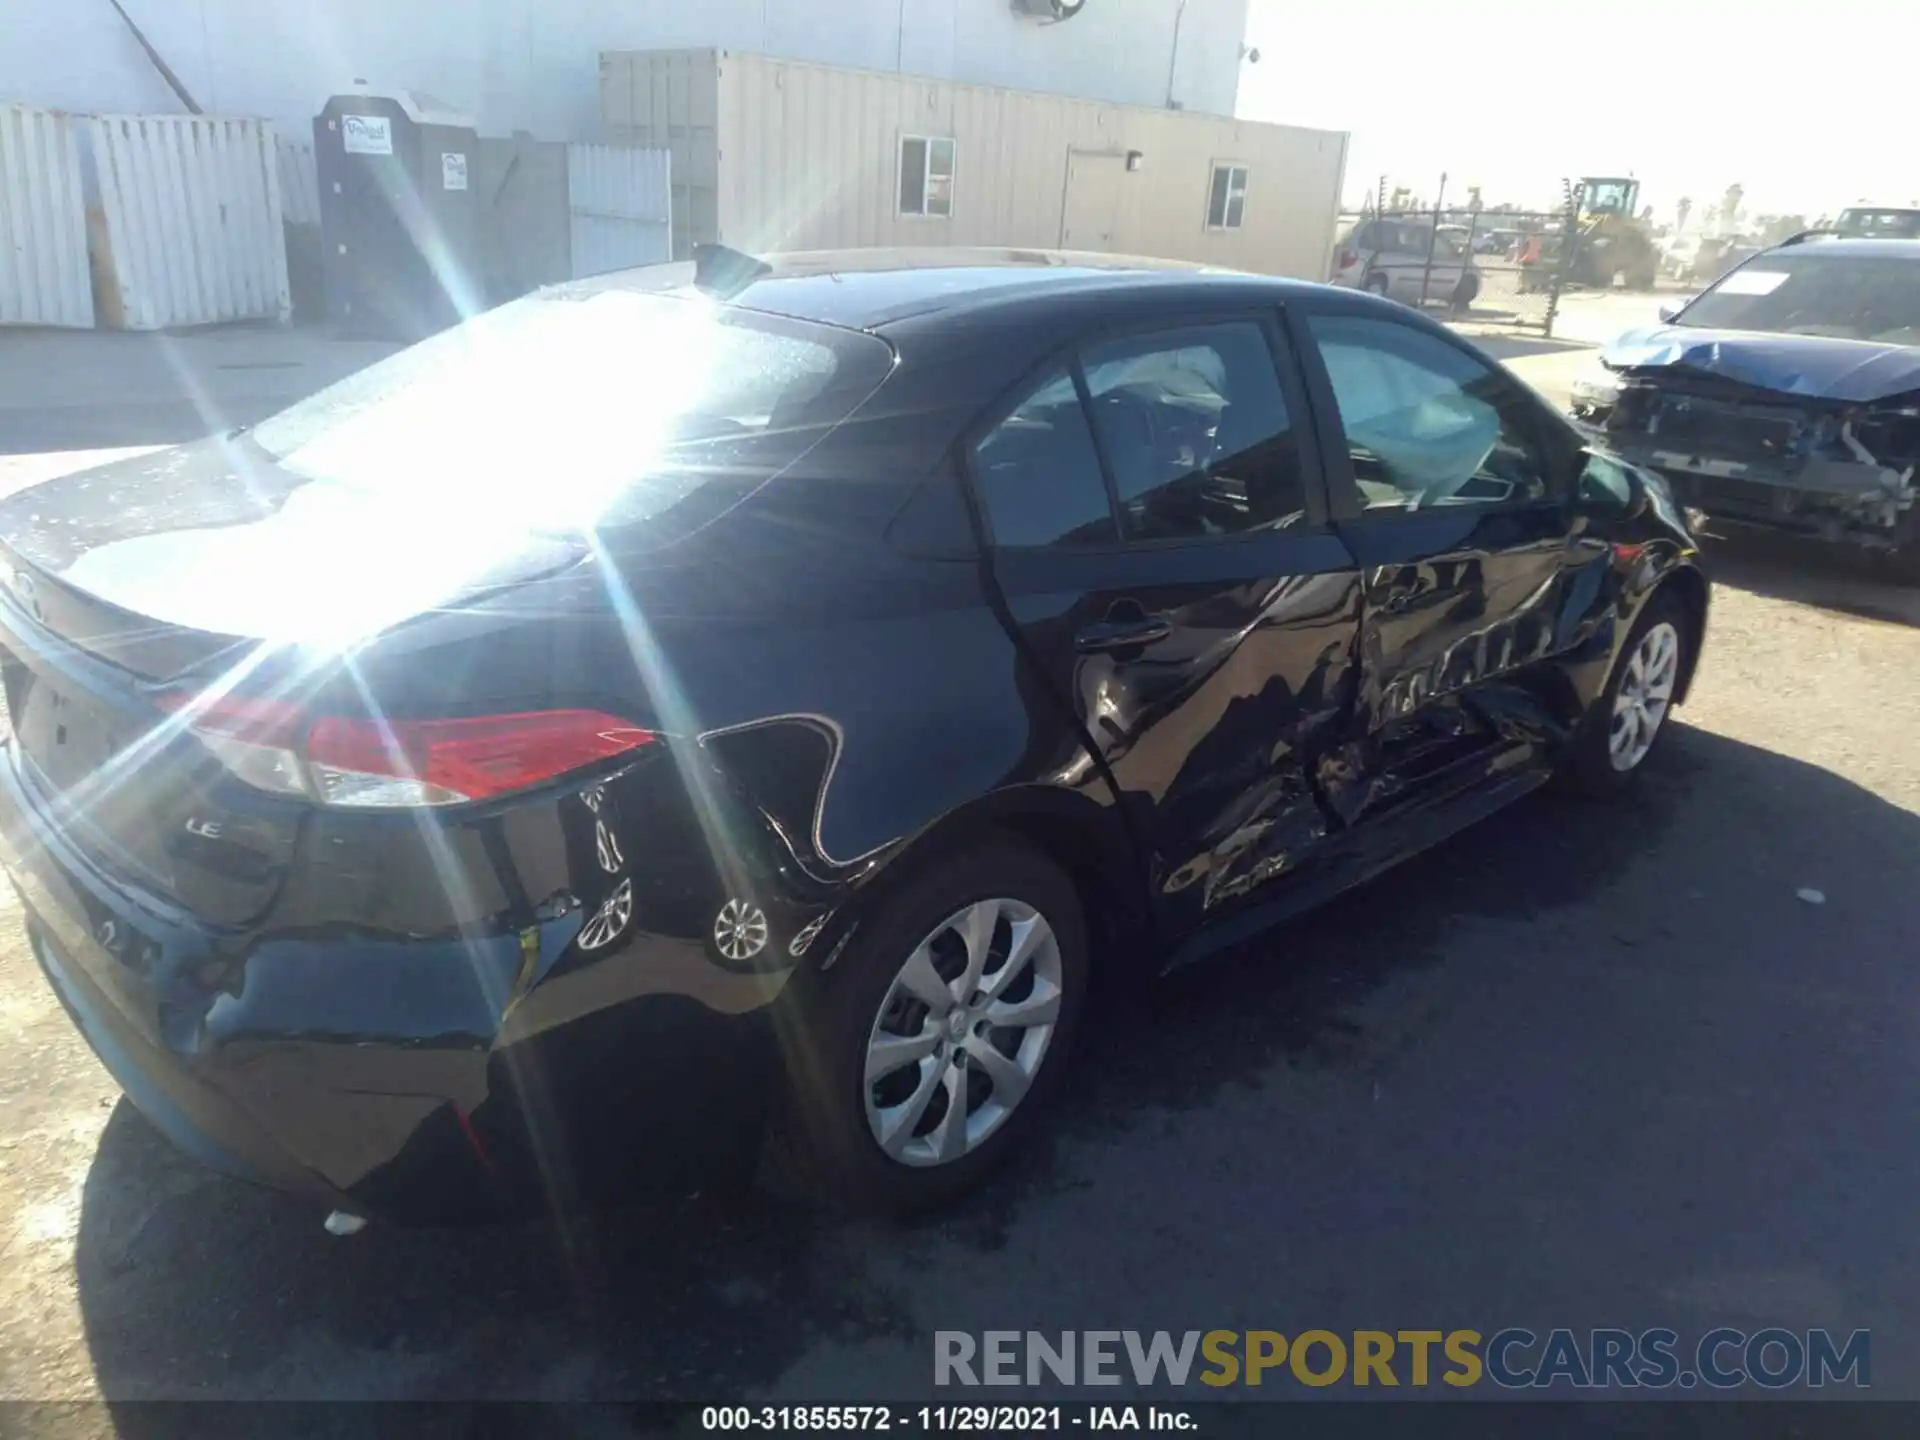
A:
(193, 232)
(44, 278)
(621, 207)
(670, 100)
(523, 228)
(299, 182)
(809, 156)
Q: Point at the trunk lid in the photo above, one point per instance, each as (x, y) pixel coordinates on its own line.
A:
(163, 563)
(141, 798)
(189, 565)
(417, 501)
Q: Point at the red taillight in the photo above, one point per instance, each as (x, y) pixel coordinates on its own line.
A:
(383, 763)
(467, 759)
(1347, 260)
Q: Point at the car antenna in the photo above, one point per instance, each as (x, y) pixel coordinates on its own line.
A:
(724, 272)
(1805, 235)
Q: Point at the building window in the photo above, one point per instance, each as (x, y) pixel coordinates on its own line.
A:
(1227, 201)
(926, 176)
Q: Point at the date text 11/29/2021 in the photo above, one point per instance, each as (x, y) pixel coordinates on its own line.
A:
(936, 1419)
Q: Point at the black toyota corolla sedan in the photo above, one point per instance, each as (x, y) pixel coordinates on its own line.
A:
(783, 686)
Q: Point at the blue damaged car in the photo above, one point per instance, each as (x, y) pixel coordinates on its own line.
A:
(1786, 395)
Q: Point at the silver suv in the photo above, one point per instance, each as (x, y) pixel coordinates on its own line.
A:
(1389, 257)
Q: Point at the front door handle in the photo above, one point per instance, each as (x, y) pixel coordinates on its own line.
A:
(1119, 634)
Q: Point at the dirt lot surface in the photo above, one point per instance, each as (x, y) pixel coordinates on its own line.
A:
(1589, 1064)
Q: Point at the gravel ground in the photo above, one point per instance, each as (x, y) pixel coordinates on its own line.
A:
(1588, 1064)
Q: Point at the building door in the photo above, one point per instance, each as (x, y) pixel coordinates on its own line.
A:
(1090, 217)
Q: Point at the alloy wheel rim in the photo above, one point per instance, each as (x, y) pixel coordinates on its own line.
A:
(1645, 695)
(740, 930)
(962, 1032)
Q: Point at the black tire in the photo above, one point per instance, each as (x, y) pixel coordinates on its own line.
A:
(1465, 293)
(1589, 767)
(1377, 284)
(839, 1011)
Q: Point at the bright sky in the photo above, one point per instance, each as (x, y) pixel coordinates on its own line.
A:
(1810, 106)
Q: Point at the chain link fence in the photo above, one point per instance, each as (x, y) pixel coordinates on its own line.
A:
(1502, 269)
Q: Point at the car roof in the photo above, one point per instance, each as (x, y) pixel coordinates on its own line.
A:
(873, 289)
(1905, 249)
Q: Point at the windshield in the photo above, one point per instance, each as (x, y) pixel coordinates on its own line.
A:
(578, 407)
(1804, 292)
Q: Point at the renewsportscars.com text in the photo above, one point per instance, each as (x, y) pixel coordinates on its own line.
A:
(1514, 1358)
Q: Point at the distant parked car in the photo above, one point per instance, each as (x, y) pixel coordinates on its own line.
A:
(1680, 255)
(1390, 257)
(1500, 243)
(1879, 222)
(1717, 256)
(1782, 396)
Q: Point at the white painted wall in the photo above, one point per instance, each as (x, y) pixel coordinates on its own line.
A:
(533, 64)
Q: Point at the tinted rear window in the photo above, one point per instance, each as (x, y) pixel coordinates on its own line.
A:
(582, 407)
(1039, 475)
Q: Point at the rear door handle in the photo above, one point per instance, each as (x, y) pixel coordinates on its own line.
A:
(1119, 634)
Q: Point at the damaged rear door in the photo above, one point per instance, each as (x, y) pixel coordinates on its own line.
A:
(1159, 541)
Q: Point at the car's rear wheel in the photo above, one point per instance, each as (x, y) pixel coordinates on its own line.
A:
(1631, 716)
(1376, 284)
(934, 1043)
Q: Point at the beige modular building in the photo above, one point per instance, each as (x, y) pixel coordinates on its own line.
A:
(773, 154)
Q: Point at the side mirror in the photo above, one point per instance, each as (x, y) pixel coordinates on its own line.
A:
(1670, 310)
(1609, 489)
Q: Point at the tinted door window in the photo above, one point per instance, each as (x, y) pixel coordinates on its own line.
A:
(1038, 473)
(1196, 432)
(1426, 423)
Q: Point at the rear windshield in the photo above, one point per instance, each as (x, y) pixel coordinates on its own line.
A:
(580, 407)
(1805, 292)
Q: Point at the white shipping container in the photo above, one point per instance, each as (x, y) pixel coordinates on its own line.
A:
(193, 232)
(619, 207)
(773, 155)
(43, 223)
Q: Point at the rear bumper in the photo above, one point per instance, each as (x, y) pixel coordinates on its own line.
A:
(200, 1120)
(408, 1079)
(71, 921)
